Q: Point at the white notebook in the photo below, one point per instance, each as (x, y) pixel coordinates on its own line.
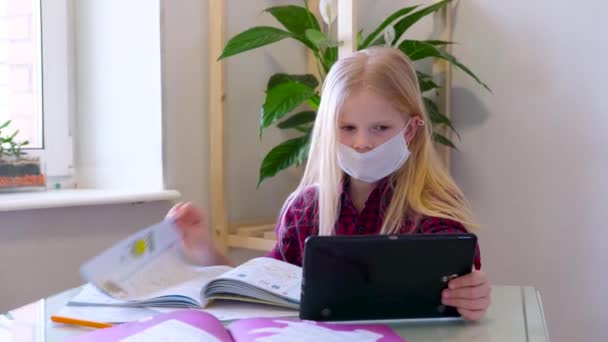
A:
(147, 269)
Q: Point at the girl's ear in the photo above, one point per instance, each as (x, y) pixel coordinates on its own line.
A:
(412, 127)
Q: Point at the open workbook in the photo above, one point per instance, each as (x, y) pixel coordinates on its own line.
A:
(197, 326)
(147, 270)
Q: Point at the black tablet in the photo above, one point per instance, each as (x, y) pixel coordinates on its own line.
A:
(382, 276)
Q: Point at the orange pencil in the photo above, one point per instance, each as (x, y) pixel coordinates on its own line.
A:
(73, 321)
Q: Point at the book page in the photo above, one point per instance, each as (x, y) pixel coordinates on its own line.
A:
(182, 326)
(272, 275)
(90, 294)
(278, 330)
(151, 284)
(120, 261)
(170, 275)
(172, 330)
(105, 314)
(227, 310)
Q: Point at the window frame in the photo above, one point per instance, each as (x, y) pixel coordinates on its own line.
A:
(58, 87)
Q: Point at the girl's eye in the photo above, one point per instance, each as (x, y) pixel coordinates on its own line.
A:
(348, 128)
(380, 128)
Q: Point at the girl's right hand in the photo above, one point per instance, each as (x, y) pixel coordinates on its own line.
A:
(194, 230)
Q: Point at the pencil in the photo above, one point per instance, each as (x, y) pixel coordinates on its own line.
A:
(74, 321)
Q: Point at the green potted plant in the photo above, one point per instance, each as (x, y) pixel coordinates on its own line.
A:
(285, 93)
(17, 169)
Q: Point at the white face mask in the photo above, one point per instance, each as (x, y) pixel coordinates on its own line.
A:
(376, 164)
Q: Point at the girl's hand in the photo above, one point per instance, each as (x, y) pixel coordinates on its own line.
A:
(469, 294)
(192, 226)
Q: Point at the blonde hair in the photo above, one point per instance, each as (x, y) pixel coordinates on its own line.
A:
(422, 187)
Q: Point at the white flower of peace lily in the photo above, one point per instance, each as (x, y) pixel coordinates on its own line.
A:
(389, 35)
(329, 10)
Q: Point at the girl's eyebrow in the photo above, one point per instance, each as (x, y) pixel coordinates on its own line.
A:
(375, 123)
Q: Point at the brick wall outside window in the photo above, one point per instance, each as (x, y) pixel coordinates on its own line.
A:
(20, 68)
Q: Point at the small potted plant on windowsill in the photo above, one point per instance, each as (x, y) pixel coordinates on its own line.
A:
(18, 171)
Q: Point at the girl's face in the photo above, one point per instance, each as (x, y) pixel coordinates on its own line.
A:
(366, 120)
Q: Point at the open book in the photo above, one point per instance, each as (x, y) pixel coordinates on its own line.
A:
(197, 326)
(147, 269)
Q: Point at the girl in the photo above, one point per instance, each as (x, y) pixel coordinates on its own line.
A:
(371, 169)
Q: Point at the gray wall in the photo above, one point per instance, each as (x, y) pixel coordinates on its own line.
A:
(533, 158)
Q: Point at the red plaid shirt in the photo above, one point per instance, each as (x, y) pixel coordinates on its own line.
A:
(301, 221)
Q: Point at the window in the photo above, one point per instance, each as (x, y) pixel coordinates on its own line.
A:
(21, 69)
(35, 78)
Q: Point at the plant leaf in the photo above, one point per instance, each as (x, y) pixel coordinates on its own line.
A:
(297, 20)
(426, 82)
(284, 155)
(450, 58)
(360, 40)
(294, 18)
(315, 36)
(13, 135)
(405, 23)
(253, 38)
(380, 29)
(282, 99)
(417, 50)
(438, 42)
(298, 119)
(304, 129)
(319, 39)
(315, 101)
(307, 79)
(443, 140)
(436, 116)
(4, 125)
(330, 57)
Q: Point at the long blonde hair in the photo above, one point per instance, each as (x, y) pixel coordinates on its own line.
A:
(422, 187)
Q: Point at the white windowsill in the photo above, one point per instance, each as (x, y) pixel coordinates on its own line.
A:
(79, 197)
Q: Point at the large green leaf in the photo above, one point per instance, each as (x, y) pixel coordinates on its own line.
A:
(307, 79)
(438, 42)
(436, 116)
(330, 57)
(319, 39)
(426, 82)
(294, 18)
(417, 50)
(298, 119)
(315, 101)
(443, 140)
(297, 20)
(253, 38)
(405, 23)
(284, 155)
(378, 31)
(282, 99)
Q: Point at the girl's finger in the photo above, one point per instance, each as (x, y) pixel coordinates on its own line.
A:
(472, 315)
(468, 304)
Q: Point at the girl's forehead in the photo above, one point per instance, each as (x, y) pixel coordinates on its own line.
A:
(368, 106)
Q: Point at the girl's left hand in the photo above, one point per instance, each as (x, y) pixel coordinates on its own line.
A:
(469, 294)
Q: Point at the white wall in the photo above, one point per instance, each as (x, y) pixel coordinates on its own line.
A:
(42, 250)
(534, 155)
(118, 92)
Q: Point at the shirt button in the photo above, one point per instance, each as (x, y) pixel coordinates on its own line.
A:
(361, 229)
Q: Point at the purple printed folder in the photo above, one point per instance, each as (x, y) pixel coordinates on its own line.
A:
(196, 325)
